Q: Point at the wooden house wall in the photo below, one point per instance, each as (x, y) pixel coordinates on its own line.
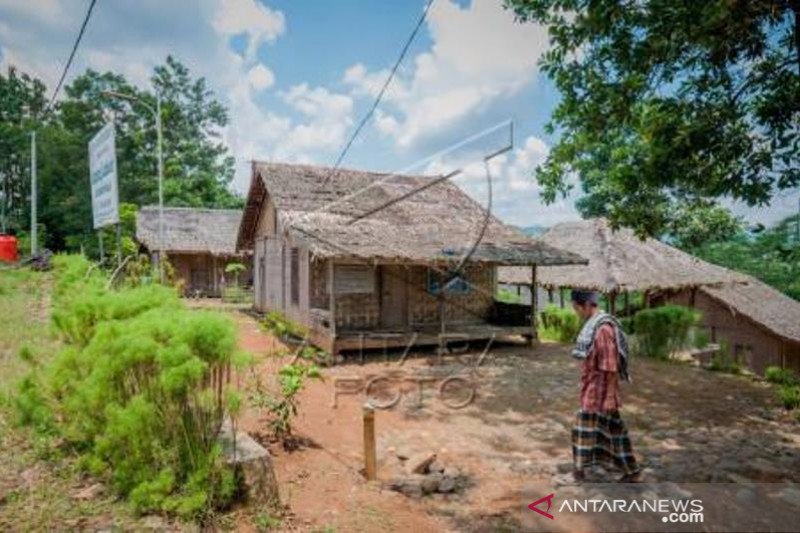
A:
(752, 344)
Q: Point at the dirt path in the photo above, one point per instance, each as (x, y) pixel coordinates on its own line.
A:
(688, 425)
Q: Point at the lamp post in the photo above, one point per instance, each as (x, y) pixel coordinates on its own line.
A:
(157, 113)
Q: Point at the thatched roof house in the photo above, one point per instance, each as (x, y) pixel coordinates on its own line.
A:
(363, 251)
(619, 261)
(405, 218)
(761, 325)
(198, 242)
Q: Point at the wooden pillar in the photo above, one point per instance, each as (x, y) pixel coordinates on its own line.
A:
(627, 303)
(612, 302)
(783, 348)
(561, 297)
(370, 454)
(534, 306)
(550, 297)
(646, 297)
(332, 299)
(692, 297)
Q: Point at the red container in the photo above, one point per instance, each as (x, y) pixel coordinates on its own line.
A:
(8, 248)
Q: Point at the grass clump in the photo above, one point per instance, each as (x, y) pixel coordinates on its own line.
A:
(789, 396)
(780, 376)
(661, 331)
(560, 325)
(138, 391)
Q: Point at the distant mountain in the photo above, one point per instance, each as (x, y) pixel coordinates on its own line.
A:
(532, 231)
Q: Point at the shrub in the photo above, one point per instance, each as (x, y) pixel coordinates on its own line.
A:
(780, 376)
(506, 296)
(280, 326)
(139, 391)
(556, 324)
(700, 338)
(663, 330)
(789, 395)
(723, 362)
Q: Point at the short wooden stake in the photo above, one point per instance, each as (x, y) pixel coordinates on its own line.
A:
(370, 455)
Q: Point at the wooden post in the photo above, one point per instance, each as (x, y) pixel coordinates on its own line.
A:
(612, 302)
(534, 297)
(332, 298)
(561, 297)
(692, 297)
(370, 455)
(627, 304)
(784, 344)
(550, 297)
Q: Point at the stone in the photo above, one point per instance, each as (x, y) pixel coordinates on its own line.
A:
(791, 496)
(431, 483)
(436, 467)
(420, 464)
(89, 493)
(412, 489)
(447, 484)
(253, 461)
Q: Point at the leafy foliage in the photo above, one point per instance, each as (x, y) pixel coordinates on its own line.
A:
(197, 166)
(282, 407)
(506, 296)
(667, 106)
(789, 396)
(780, 376)
(556, 324)
(663, 330)
(772, 255)
(276, 323)
(139, 391)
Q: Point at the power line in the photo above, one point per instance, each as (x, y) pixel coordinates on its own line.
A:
(71, 56)
(386, 83)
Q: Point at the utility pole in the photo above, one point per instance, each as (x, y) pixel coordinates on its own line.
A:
(34, 229)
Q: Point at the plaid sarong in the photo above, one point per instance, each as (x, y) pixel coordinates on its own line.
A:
(602, 438)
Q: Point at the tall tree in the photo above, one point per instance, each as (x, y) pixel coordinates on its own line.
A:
(669, 105)
(197, 166)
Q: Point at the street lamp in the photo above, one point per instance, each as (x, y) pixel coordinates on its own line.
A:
(157, 113)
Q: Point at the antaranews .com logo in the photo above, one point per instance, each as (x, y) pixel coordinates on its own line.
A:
(664, 506)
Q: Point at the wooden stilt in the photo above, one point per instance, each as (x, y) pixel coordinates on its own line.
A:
(370, 454)
(534, 306)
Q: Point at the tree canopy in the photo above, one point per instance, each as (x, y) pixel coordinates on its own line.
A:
(668, 106)
(197, 166)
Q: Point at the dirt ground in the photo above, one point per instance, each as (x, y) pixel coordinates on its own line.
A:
(687, 424)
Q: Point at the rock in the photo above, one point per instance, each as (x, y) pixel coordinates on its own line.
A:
(565, 468)
(737, 478)
(436, 467)
(791, 496)
(412, 489)
(154, 522)
(253, 461)
(447, 484)
(431, 483)
(420, 464)
(89, 493)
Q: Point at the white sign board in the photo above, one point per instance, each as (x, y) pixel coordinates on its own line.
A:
(103, 177)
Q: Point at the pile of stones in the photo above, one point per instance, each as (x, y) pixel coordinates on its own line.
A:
(423, 475)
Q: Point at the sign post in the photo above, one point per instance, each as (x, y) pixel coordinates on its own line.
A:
(103, 178)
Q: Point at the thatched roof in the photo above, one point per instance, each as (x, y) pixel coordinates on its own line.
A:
(416, 219)
(619, 261)
(190, 230)
(761, 304)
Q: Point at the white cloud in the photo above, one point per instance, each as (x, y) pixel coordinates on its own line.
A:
(515, 192)
(479, 55)
(261, 77)
(250, 17)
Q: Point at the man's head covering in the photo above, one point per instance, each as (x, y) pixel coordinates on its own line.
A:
(585, 297)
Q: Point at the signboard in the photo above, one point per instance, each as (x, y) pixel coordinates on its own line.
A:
(103, 177)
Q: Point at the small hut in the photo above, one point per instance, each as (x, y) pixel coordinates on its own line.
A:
(619, 262)
(366, 260)
(760, 325)
(198, 243)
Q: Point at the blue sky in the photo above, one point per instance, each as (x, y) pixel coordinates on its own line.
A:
(297, 75)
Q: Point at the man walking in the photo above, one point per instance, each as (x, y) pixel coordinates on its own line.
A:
(600, 435)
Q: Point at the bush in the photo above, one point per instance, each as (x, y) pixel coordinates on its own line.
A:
(556, 324)
(723, 362)
(780, 376)
(506, 296)
(663, 330)
(789, 395)
(280, 326)
(139, 391)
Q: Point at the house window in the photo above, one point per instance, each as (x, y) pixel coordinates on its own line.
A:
(456, 285)
(354, 279)
(295, 273)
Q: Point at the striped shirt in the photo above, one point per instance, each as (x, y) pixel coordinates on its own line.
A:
(599, 374)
